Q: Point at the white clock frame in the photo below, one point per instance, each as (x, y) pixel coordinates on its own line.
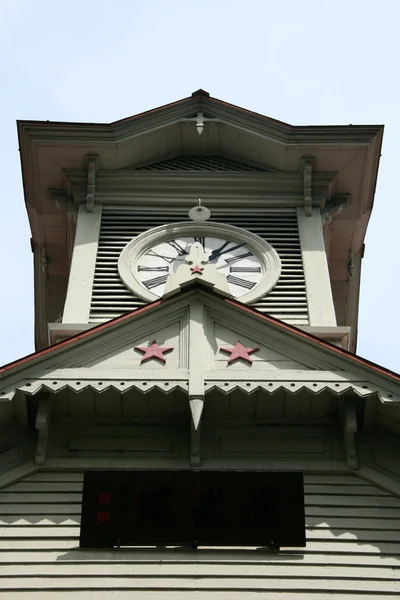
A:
(266, 254)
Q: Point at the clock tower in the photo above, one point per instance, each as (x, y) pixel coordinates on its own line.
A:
(305, 192)
(195, 420)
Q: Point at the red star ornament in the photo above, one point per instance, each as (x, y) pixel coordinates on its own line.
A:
(239, 351)
(153, 350)
(197, 269)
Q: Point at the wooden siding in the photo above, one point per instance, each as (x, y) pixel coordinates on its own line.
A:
(353, 551)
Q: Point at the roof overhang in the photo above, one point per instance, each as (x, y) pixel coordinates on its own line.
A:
(327, 365)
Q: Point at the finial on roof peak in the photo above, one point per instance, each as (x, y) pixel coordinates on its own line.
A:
(201, 92)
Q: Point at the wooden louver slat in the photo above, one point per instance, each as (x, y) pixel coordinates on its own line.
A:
(110, 298)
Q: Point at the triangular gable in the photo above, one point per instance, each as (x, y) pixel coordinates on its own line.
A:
(198, 324)
(213, 108)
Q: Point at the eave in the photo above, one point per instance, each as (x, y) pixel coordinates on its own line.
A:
(19, 373)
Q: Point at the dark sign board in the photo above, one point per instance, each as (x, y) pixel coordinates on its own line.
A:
(196, 508)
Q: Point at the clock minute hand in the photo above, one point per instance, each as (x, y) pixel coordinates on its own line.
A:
(219, 251)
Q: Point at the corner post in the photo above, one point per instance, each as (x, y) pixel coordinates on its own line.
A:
(321, 309)
(80, 283)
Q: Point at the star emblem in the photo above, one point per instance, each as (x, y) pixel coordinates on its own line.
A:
(197, 269)
(239, 351)
(153, 350)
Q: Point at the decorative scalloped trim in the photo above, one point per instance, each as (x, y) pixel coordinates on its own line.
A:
(34, 387)
(293, 387)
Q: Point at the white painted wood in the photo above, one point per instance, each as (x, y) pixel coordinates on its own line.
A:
(182, 595)
(321, 309)
(80, 284)
(192, 570)
(17, 473)
(200, 583)
(62, 367)
(352, 551)
(198, 350)
(172, 556)
(385, 482)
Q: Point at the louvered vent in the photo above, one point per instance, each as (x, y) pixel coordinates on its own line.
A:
(200, 163)
(110, 298)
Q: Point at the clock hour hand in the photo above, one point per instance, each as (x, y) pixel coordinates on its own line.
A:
(221, 250)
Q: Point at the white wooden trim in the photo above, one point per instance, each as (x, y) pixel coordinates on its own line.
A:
(382, 481)
(321, 309)
(17, 473)
(61, 331)
(273, 464)
(79, 293)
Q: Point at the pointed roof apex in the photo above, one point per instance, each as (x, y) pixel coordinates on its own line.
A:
(200, 93)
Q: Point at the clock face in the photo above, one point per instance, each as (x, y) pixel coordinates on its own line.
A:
(234, 260)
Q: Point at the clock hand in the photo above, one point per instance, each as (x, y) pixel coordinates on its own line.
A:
(219, 251)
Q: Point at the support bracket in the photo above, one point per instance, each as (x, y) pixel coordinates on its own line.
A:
(307, 163)
(334, 207)
(64, 202)
(42, 425)
(93, 163)
(349, 432)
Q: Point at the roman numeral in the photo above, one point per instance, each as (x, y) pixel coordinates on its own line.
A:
(229, 260)
(140, 268)
(244, 269)
(155, 282)
(200, 240)
(240, 282)
(168, 259)
(181, 251)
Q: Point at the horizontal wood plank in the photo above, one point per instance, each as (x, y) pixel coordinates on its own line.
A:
(309, 478)
(323, 512)
(334, 545)
(310, 489)
(310, 499)
(332, 523)
(312, 534)
(195, 583)
(194, 569)
(182, 556)
(183, 595)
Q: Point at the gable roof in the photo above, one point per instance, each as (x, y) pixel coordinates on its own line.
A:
(348, 359)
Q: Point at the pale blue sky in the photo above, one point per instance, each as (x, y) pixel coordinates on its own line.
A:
(303, 62)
